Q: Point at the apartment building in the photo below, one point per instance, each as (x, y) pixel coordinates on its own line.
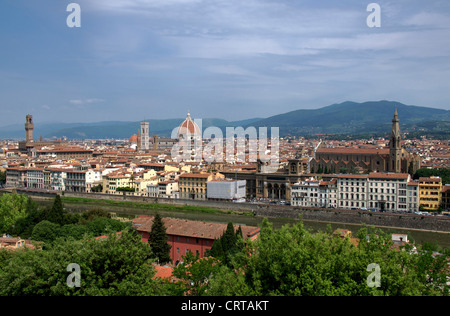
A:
(75, 181)
(430, 192)
(194, 185)
(377, 191)
(35, 178)
(57, 179)
(388, 191)
(352, 191)
(16, 177)
(412, 190)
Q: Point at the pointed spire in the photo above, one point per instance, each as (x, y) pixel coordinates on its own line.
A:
(395, 120)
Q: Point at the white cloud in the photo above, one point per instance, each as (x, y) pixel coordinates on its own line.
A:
(86, 101)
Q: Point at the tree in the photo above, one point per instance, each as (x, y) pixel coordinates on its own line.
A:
(195, 273)
(114, 266)
(45, 231)
(56, 214)
(216, 250)
(103, 225)
(23, 226)
(12, 208)
(2, 176)
(229, 239)
(158, 240)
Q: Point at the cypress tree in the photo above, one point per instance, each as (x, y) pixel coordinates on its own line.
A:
(216, 249)
(158, 240)
(239, 232)
(229, 239)
(56, 213)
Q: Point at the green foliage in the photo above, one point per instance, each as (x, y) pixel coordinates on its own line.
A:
(36, 223)
(292, 261)
(101, 225)
(228, 245)
(56, 213)
(45, 231)
(94, 213)
(2, 176)
(97, 188)
(12, 208)
(23, 226)
(125, 189)
(195, 273)
(116, 266)
(158, 240)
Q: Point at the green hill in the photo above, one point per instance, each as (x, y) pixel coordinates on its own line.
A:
(354, 118)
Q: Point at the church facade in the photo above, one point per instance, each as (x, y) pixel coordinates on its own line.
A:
(393, 159)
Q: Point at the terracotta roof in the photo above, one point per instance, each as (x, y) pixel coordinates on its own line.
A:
(388, 175)
(430, 179)
(357, 151)
(355, 176)
(195, 175)
(197, 229)
(163, 272)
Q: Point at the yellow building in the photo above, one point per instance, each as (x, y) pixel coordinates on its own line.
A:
(430, 192)
(128, 183)
(194, 185)
(115, 180)
(140, 181)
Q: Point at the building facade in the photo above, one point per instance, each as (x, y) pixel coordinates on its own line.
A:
(226, 189)
(195, 185)
(430, 190)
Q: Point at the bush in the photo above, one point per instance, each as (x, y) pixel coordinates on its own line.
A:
(45, 231)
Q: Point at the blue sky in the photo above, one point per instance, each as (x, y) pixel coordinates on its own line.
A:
(142, 59)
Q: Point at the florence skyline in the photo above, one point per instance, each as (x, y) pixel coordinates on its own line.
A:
(157, 59)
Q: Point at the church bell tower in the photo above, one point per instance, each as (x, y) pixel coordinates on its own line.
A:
(395, 147)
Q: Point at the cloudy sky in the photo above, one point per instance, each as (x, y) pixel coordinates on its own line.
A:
(140, 59)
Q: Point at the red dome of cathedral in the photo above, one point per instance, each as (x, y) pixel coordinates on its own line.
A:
(189, 127)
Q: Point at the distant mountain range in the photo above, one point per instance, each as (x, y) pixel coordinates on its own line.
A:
(374, 117)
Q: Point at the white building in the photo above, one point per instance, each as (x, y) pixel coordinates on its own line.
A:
(388, 191)
(152, 190)
(35, 178)
(412, 199)
(93, 178)
(226, 189)
(57, 179)
(376, 191)
(167, 189)
(352, 191)
(314, 193)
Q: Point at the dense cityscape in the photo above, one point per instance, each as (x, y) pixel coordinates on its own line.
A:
(310, 173)
(224, 156)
